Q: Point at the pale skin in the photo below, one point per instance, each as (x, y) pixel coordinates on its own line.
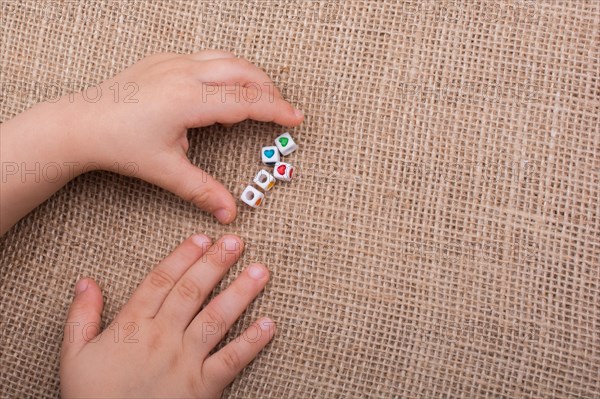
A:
(160, 342)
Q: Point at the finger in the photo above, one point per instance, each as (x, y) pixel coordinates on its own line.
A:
(226, 364)
(232, 104)
(149, 296)
(193, 184)
(83, 318)
(232, 71)
(184, 301)
(206, 55)
(211, 324)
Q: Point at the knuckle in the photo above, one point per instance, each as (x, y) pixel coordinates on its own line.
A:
(160, 279)
(200, 196)
(285, 106)
(213, 316)
(252, 93)
(189, 290)
(155, 341)
(231, 360)
(240, 289)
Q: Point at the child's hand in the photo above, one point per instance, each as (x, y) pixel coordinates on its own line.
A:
(159, 344)
(136, 123)
(173, 93)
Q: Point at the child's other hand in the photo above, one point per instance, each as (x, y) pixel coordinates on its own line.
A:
(143, 114)
(159, 344)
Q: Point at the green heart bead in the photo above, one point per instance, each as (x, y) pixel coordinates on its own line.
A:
(284, 141)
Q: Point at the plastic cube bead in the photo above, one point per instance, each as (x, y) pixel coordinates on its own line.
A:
(285, 144)
(270, 155)
(283, 171)
(264, 180)
(252, 197)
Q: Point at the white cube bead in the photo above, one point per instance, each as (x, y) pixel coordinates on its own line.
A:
(285, 143)
(270, 155)
(264, 180)
(283, 171)
(253, 197)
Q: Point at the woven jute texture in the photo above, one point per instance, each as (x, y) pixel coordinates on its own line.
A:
(442, 239)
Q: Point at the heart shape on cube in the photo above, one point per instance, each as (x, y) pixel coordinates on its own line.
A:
(284, 141)
(269, 153)
(281, 170)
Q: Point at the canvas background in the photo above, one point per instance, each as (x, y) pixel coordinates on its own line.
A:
(442, 238)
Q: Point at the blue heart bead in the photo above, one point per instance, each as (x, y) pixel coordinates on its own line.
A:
(269, 153)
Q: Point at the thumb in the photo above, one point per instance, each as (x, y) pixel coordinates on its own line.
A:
(195, 185)
(83, 319)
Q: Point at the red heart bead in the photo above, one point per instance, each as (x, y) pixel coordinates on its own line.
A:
(281, 170)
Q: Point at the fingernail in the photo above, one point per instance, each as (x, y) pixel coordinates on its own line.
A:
(81, 286)
(200, 241)
(267, 324)
(231, 244)
(298, 113)
(256, 272)
(222, 215)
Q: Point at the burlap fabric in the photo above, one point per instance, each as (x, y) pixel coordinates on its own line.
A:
(442, 238)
